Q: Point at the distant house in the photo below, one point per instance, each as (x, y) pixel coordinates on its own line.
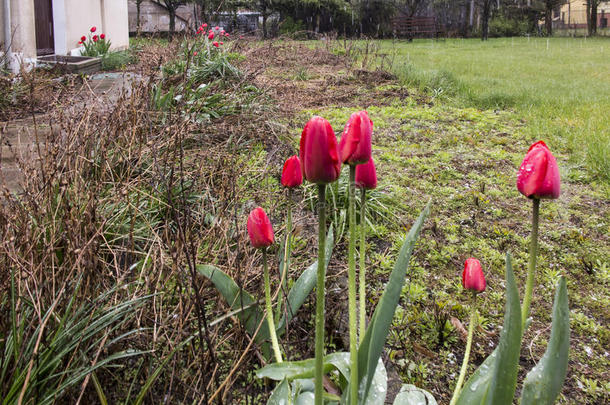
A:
(573, 14)
(32, 28)
(154, 17)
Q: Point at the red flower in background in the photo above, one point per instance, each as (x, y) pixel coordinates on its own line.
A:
(355, 143)
(93, 29)
(472, 276)
(222, 43)
(103, 36)
(318, 152)
(204, 25)
(291, 173)
(539, 175)
(259, 228)
(83, 38)
(366, 175)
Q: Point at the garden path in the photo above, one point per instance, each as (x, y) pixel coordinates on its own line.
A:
(23, 139)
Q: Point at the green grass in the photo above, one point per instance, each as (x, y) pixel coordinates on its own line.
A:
(560, 90)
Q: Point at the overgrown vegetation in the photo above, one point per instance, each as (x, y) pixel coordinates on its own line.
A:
(132, 198)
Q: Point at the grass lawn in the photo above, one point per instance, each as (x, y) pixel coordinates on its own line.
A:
(560, 87)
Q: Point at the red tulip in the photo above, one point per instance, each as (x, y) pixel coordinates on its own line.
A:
(355, 144)
(539, 175)
(93, 29)
(215, 44)
(222, 43)
(204, 25)
(216, 28)
(195, 53)
(95, 38)
(318, 152)
(211, 36)
(259, 228)
(80, 42)
(291, 173)
(472, 276)
(83, 38)
(366, 175)
(103, 36)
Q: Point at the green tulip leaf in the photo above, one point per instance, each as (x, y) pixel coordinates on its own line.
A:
(543, 383)
(237, 299)
(306, 398)
(379, 385)
(304, 284)
(375, 336)
(494, 382)
(281, 395)
(411, 395)
(291, 370)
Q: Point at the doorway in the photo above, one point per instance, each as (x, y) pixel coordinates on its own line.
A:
(43, 15)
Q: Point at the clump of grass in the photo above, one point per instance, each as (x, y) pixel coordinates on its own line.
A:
(118, 60)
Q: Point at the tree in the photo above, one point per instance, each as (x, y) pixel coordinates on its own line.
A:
(548, 15)
(139, 25)
(592, 17)
(171, 6)
(485, 15)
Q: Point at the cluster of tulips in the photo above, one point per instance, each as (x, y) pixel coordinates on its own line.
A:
(361, 375)
(93, 44)
(215, 32)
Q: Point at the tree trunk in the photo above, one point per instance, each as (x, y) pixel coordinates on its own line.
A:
(471, 21)
(139, 25)
(265, 25)
(593, 17)
(172, 21)
(548, 18)
(589, 27)
(485, 27)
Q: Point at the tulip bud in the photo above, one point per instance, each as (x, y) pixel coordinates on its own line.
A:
(539, 175)
(95, 38)
(93, 29)
(215, 44)
(103, 36)
(211, 36)
(318, 152)
(259, 228)
(291, 173)
(83, 38)
(355, 144)
(366, 175)
(204, 25)
(472, 276)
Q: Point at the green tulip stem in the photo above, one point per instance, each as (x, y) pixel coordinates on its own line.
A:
(529, 286)
(362, 274)
(319, 363)
(351, 286)
(286, 258)
(274, 343)
(471, 325)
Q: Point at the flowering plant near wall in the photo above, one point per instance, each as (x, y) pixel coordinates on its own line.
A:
(93, 44)
(359, 375)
